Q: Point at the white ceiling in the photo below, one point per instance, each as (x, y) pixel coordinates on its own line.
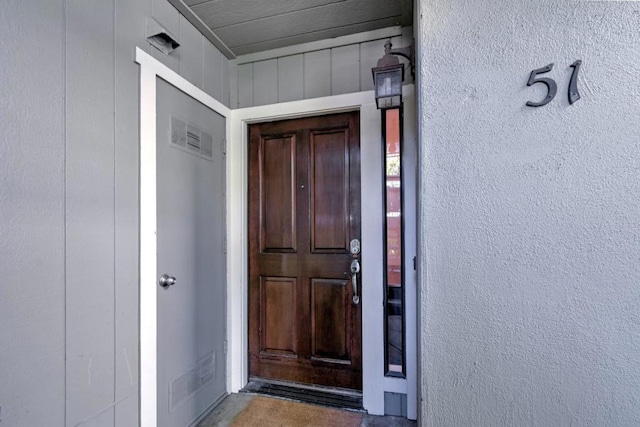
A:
(248, 26)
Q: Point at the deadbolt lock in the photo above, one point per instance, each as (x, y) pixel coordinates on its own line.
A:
(355, 247)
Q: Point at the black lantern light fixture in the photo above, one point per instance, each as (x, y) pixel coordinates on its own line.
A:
(388, 76)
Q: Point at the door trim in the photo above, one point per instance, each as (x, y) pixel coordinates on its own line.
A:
(372, 244)
(150, 70)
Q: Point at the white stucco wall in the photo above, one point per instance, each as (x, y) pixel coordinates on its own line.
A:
(530, 235)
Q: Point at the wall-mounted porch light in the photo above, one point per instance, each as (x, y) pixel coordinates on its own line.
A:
(388, 76)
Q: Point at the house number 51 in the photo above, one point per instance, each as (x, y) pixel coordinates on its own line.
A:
(552, 87)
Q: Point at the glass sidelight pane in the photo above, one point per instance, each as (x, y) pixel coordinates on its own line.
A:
(394, 292)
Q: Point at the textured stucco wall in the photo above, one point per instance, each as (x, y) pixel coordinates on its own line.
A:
(530, 235)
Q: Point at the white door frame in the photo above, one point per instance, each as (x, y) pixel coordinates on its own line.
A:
(150, 70)
(374, 382)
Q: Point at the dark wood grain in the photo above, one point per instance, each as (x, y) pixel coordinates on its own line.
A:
(304, 208)
(329, 320)
(278, 187)
(330, 191)
(278, 316)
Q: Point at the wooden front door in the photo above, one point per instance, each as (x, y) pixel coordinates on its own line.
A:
(304, 210)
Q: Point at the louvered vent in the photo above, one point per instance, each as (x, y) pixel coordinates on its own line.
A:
(193, 138)
(206, 147)
(195, 379)
(188, 137)
(178, 132)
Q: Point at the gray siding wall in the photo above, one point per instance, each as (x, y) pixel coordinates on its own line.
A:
(69, 202)
(530, 238)
(32, 212)
(312, 74)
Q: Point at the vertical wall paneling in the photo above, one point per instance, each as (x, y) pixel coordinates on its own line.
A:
(245, 85)
(32, 213)
(167, 15)
(290, 78)
(265, 82)
(370, 52)
(130, 31)
(407, 39)
(333, 71)
(233, 83)
(191, 52)
(317, 74)
(90, 210)
(345, 69)
(212, 70)
(226, 93)
(397, 42)
(69, 196)
(169, 18)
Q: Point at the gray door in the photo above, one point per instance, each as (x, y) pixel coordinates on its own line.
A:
(191, 227)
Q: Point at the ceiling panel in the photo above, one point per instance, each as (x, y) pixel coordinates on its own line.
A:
(248, 26)
(229, 12)
(308, 21)
(330, 33)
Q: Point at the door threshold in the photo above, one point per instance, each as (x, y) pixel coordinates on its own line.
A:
(306, 393)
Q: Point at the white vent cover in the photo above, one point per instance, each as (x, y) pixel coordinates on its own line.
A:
(188, 137)
(195, 379)
(206, 145)
(178, 132)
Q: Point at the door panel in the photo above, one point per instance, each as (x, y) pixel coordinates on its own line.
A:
(191, 228)
(330, 191)
(278, 225)
(304, 208)
(279, 335)
(329, 298)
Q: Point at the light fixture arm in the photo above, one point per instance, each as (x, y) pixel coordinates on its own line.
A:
(406, 52)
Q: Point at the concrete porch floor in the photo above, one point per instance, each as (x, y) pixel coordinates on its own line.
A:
(224, 414)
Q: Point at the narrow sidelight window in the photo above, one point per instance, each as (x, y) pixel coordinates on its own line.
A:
(394, 289)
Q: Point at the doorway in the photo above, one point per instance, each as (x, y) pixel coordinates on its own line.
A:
(374, 382)
(190, 232)
(304, 251)
(194, 385)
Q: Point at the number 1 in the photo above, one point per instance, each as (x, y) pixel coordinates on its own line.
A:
(574, 95)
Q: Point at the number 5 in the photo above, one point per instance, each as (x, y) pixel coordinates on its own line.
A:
(552, 87)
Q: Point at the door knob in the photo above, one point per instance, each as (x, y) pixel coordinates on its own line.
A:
(166, 281)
